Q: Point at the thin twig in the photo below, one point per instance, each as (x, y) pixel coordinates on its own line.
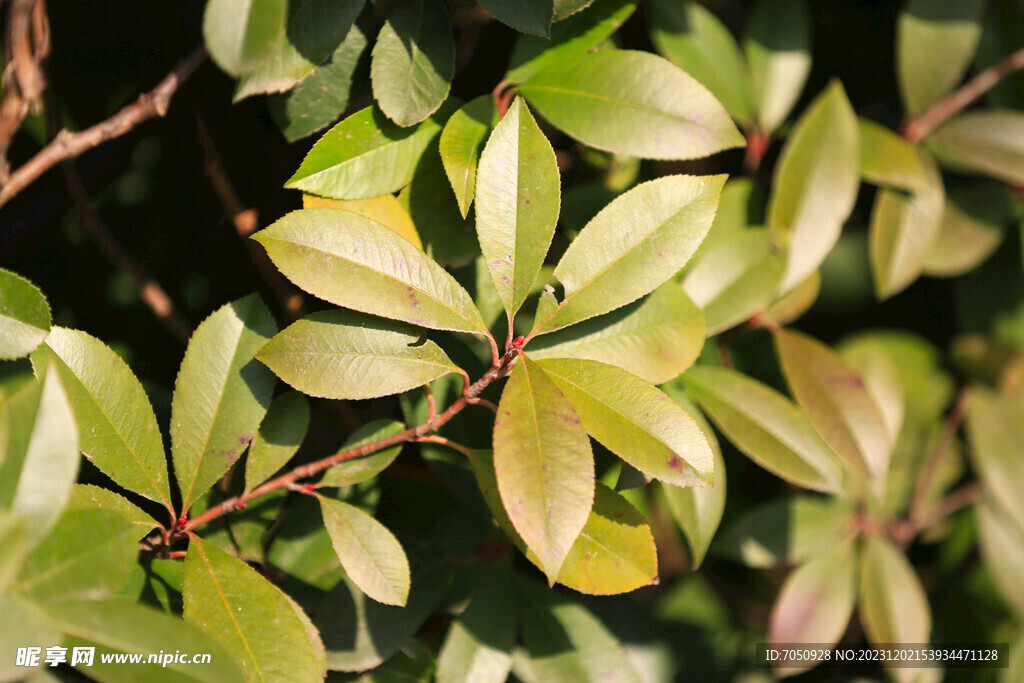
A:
(67, 145)
(246, 221)
(482, 402)
(27, 45)
(431, 402)
(954, 502)
(434, 438)
(940, 112)
(938, 454)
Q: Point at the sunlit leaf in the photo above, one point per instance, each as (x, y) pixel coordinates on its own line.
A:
(888, 160)
(22, 621)
(973, 221)
(221, 394)
(279, 437)
(24, 316)
(525, 16)
(89, 497)
(1001, 541)
(478, 647)
(386, 210)
(881, 376)
(240, 34)
(778, 45)
(793, 304)
(986, 142)
(360, 469)
(995, 426)
(462, 141)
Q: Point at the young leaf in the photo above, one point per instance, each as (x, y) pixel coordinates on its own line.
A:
(366, 155)
(525, 16)
(736, 278)
(632, 103)
(692, 38)
(607, 267)
(935, 42)
(778, 46)
(973, 220)
(517, 204)
(815, 184)
(1001, 541)
(462, 141)
(986, 142)
(544, 465)
(413, 61)
(888, 160)
(995, 427)
(892, 604)
(89, 497)
(347, 355)
(240, 34)
(764, 425)
(221, 394)
(279, 437)
(24, 316)
(655, 338)
(371, 555)
(116, 426)
(882, 377)
(251, 618)
(385, 209)
(360, 469)
(314, 29)
(38, 455)
(322, 96)
(479, 644)
(903, 230)
(815, 603)
(354, 262)
(838, 405)
(97, 550)
(118, 626)
(697, 510)
(570, 38)
(786, 531)
(635, 421)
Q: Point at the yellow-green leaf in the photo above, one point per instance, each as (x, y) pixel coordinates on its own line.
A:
(279, 437)
(386, 210)
(987, 142)
(995, 427)
(462, 141)
(24, 316)
(240, 34)
(888, 160)
(778, 45)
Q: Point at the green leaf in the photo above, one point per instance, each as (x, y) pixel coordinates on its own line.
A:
(735, 278)
(116, 426)
(22, 622)
(517, 204)
(881, 375)
(12, 538)
(88, 554)
(778, 45)
(566, 8)
(973, 221)
(995, 428)
(119, 626)
(367, 467)
(413, 61)
(279, 437)
(348, 355)
(89, 497)
(903, 230)
(608, 266)
(478, 647)
(693, 39)
(24, 316)
(935, 42)
(635, 420)
(315, 28)
(655, 338)
(544, 465)
(986, 142)
(789, 530)
(766, 426)
(248, 616)
(838, 405)
(385, 209)
(38, 455)
(525, 16)
(322, 96)
(221, 394)
(462, 141)
(366, 155)
(815, 183)
(815, 603)
(1001, 541)
(352, 261)
(240, 34)
(888, 160)
(793, 304)
(892, 604)
(371, 555)
(570, 38)
(697, 510)
(632, 103)
(563, 642)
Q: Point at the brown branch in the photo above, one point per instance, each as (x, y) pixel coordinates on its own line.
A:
(496, 372)
(246, 221)
(455, 446)
(934, 462)
(67, 145)
(27, 46)
(940, 112)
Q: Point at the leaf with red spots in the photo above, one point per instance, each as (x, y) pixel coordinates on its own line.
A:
(544, 465)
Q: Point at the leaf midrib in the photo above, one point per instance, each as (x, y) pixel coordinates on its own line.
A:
(227, 608)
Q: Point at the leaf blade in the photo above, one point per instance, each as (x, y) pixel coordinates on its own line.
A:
(24, 316)
(462, 141)
(241, 33)
(279, 436)
(778, 47)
